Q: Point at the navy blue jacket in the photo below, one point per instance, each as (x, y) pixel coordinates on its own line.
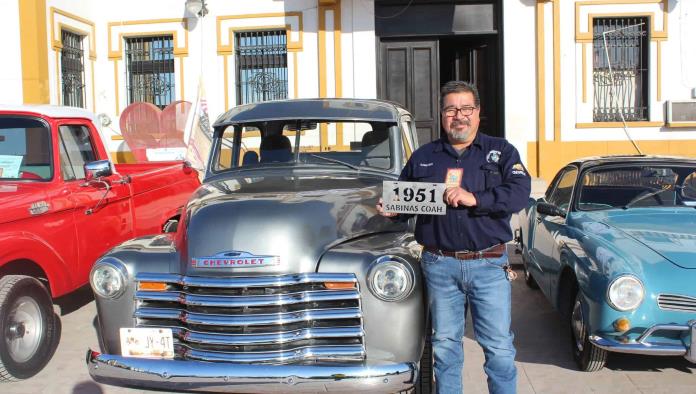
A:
(493, 172)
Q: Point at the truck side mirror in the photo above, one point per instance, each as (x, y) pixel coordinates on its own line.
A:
(97, 169)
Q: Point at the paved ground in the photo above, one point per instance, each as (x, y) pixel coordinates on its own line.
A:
(544, 361)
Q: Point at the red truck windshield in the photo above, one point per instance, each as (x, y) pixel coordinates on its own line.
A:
(25, 149)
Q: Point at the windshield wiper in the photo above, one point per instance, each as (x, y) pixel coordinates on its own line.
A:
(334, 161)
(643, 197)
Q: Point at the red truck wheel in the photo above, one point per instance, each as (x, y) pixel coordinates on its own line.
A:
(27, 327)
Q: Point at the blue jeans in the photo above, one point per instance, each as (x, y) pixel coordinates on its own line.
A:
(453, 286)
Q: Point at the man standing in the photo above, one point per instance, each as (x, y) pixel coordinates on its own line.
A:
(464, 259)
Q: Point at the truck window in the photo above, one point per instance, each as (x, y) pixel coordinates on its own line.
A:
(25, 149)
(76, 149)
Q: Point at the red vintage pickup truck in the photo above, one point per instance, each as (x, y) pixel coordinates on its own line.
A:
(62, 205)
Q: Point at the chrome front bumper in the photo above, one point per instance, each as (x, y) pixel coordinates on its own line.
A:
(245, 378)
(642, 346)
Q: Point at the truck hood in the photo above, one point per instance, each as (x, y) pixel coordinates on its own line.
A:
(277, 224)
(669, 232)
(18, 197)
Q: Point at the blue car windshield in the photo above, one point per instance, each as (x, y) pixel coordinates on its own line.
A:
(634, 186)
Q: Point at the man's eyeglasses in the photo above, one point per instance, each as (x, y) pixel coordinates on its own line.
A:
(451, 112)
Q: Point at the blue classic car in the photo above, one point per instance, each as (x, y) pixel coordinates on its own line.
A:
(612, 245)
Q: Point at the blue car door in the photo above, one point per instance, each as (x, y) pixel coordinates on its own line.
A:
(549, 232)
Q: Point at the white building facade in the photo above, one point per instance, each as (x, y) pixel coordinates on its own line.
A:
(542, 71)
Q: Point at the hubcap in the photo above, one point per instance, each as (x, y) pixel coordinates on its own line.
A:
(578, 325)
(23, 334)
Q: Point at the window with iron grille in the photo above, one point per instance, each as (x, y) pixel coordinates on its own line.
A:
(262, 66)
(150, 70)
(72, 69)
(620, 68)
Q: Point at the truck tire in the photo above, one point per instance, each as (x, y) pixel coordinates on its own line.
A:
(27, 326)
(425, 382)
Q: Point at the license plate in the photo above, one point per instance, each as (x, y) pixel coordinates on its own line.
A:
(420, 198)
(147, 342)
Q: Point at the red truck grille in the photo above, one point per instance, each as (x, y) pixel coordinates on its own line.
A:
(266, 319)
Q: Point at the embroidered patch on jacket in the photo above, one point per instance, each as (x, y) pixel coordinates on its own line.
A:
(493, 156)
(454, 177)
(518, 169)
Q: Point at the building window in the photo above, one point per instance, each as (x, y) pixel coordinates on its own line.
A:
(72, 69)
(262, 66)
(150, 69)
(625, 89)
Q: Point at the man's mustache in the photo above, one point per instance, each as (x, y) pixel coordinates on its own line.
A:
(464, 123)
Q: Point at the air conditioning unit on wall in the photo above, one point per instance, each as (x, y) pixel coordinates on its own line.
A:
(681, 113)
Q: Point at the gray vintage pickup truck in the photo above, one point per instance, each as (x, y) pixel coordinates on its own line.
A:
(281, 276)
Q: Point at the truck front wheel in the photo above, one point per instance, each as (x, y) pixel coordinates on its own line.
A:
(27, 327)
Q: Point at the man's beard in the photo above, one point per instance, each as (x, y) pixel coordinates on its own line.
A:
(459, 135)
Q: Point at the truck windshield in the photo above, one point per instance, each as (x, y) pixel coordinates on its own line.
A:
(347, 144)
(25, 149)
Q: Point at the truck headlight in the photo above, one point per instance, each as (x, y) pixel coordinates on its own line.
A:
(625, 293)
(108, 278)
(390, 278)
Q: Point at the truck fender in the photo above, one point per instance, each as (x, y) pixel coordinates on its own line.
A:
(23, 246)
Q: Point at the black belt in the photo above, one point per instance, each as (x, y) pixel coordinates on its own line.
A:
(490, 253)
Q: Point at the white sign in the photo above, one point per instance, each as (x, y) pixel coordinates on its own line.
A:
(420, 198)
(9, 166)
(147, 342)
(165, 154)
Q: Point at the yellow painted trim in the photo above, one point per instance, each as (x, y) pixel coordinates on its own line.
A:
(33, 39)
(226, 82)
(295, 71)
(116, 86)
(557, 70)
(178, 51)
(117, 54)
(123, 157)
(92, 34)
(229, 49)
(541, 83)
(604, 125)
(116, 138)
(654, 34)
(584, 72)
(58, 47)
(677, 125)
(561, 153)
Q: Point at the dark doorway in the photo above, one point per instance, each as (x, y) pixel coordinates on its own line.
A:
(475, 59)
(425, 43)
(410, 77)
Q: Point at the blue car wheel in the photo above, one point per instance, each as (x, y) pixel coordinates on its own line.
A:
(588, 357)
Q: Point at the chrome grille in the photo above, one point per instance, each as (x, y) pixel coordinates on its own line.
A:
(265, 319)
(675, 302)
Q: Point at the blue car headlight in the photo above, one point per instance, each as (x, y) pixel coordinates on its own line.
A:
(625, 293)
